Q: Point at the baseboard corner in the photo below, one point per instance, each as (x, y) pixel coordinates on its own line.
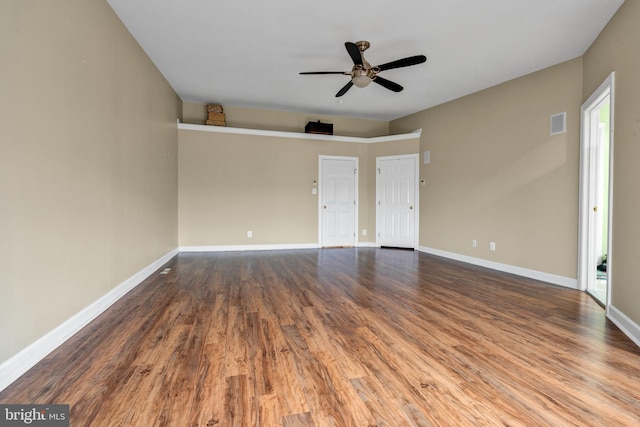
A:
(624, 323)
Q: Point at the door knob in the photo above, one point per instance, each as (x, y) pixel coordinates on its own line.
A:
(324, 207)
(410, 207)
(595, 209)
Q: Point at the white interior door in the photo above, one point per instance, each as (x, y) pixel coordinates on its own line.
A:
(338, 201)
(598, 183)
(596, 168)
(396, 184)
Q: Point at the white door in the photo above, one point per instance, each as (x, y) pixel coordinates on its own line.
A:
(595, 192)
(598, 182)
(338, 201)
(396, 179)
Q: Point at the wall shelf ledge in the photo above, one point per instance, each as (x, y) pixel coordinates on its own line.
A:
(300, 135)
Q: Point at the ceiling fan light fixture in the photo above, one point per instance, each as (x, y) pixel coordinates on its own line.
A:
(361, 81)
(361, 78)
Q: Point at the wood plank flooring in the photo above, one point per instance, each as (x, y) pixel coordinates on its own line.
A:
(341, 337)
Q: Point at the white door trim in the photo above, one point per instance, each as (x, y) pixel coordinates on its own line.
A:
(320, 201)
(416, 159)
(604, 90)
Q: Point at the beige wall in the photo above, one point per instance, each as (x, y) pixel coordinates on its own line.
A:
(616, 49)
(250, 118)
(88, 162)
(496, 174)
(230, 184)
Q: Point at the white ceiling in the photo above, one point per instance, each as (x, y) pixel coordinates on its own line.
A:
(248, 53)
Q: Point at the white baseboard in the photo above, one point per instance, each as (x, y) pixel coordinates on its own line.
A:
(621, 320)
(14, 367)
(626, 325)
(567, 282)
(237, 248)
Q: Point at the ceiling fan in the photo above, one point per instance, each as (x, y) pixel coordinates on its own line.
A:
(363, 73)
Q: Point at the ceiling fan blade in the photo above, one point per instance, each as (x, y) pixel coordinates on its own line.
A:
(344, 89)
(324, 72)
(404, 62)
(354, 52)
(388, 84)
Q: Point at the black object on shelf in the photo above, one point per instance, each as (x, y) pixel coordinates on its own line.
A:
(319, 127)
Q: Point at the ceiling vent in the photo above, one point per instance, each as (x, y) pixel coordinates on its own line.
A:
(559, 123)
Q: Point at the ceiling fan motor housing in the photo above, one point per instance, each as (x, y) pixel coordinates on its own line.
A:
(362, 75)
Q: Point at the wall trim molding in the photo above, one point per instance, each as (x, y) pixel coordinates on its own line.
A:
(21, 362)
(300, 135)
(280, 247)
(238, 248)
(624, 323)
(554, 279)
(366, 245)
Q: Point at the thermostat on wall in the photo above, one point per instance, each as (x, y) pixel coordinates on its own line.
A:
(427, 157)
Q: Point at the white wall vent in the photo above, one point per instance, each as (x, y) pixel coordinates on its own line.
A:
(559, 123)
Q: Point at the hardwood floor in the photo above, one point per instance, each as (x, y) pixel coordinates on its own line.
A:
(341, 337)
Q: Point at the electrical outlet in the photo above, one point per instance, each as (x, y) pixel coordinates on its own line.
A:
(364, 231)
(474, 243)
(492, 246)
(249, 233)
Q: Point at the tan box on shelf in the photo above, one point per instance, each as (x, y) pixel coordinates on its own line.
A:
(216, 123)
(214, 108)
(216, 117)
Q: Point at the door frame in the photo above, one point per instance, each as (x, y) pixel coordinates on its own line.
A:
(416, 196)
(587, 189)
(356, 190)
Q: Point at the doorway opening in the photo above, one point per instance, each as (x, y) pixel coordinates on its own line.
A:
(594, 274)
